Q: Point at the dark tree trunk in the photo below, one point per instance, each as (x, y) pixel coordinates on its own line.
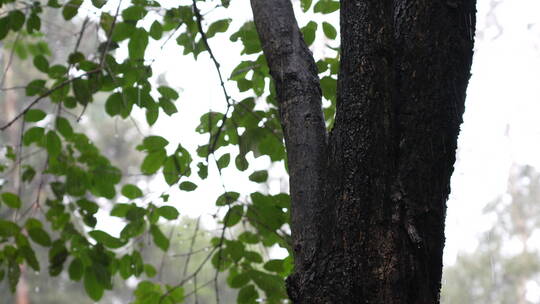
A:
(369, 199)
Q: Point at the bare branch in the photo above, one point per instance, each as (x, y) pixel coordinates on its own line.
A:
(213, 138)
(44, 95)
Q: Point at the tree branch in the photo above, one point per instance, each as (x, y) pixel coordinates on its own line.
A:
(299, 95)
(46, 94)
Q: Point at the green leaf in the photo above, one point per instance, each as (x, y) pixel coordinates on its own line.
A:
(75, 57)
(75, 270)
(152, 115)
(153, 161)
(248, 237)
(176, 294)
(133, 228)
(124, 266)
(34, 115)
(150, 270)
(137, 264)
(224, 161)
(137, 44)
(159, 238)
(329, 30)
(16, 20)
(122, 31)
(171, 170)
(134, 13)
(259, 176)
(241, 162)
(53, 143)
(274, 266)
(93, 287)
(40, 236)
(168, 92)
(253, 256)
(41, 63)
(154, 143)
(309, 32)
(219, 26)
(235, 250)
(188, 186)
(272, 285)
(34, 134)
(239, 280)
(203, 170)
(249, 37)
(33, 23)
(14, 273)
(114, 104)
(4, 27)
(227, 198)
(305, 4)
(35, 87)
(106, 239)
(64, 127)
(131, 191)
(326, 6)
(30, 256)
(121, 210)
(81, 91)
(156, 30)
(168, 212)
(148, 293)
(168, 107)
(329, 87)
(28, 174)
(233, 216)
(87, 206)
(11, 200)
(247, 295)
(8, 229)
(99, 3)
(71, 8)
(57, 71)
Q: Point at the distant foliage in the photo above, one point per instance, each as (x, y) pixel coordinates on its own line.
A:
(505, 268)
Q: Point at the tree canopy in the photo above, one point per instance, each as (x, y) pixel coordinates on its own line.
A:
(56, 178)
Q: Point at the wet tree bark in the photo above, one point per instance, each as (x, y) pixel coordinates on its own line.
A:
(369, 199)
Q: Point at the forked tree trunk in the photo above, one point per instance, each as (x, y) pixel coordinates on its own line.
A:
(369, 199)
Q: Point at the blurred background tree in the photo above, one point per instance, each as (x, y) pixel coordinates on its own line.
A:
(505, 268)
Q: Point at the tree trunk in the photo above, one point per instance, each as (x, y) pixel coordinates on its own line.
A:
(369, 199)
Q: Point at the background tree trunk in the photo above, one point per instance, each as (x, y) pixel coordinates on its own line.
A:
(369, 200)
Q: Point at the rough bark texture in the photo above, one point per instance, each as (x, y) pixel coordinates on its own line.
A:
(369, 203)
(297, 84)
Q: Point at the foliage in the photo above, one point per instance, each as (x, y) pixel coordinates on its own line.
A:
(76, 177)
(507, 259)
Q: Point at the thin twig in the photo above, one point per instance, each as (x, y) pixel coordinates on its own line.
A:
(10, 60)
(162, 263)
(170, 35)
(109, 35)
(18, 172)
(178, 255)
(193, 238)
(46, 94)
(192, 275)
(197, 288)
(13, 88)
(75, 49)
(212, 143)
